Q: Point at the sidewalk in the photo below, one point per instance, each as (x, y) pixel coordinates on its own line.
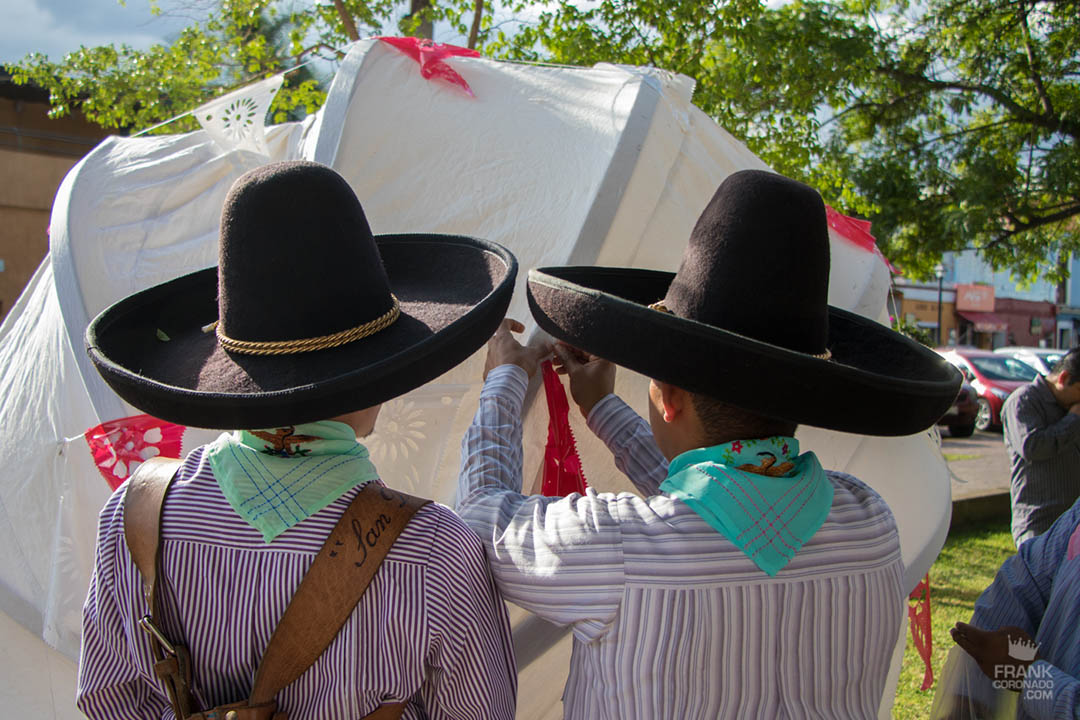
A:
(980, 483)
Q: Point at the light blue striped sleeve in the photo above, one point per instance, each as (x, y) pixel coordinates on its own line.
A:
(560, 558)
(631, 442)
(1021, 589)
(1063, 698)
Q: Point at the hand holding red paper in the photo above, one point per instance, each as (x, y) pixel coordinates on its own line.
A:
(503, 349)
(591, 378)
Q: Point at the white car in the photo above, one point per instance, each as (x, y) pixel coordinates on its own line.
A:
(1042, 359)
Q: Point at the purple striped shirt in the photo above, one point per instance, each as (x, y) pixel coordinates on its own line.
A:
(431, 627)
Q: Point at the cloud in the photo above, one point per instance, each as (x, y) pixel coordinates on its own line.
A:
(57, 27)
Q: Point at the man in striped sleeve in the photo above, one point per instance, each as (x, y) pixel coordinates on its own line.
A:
(317, 323)
(746, 581)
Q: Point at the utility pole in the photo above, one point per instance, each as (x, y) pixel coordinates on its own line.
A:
(939, 270)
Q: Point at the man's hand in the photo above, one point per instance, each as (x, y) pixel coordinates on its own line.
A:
(503, 349)
(591, 378)
(1075, 408)
(990, 650)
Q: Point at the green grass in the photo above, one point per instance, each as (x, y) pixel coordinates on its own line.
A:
(964, 569)
(953, 457)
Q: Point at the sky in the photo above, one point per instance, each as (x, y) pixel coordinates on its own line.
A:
(57, 27)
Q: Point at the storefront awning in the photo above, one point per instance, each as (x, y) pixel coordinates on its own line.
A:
(984, 321)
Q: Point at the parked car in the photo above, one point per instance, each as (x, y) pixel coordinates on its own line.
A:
(994, 376)
(960, 419)
(1042, 359)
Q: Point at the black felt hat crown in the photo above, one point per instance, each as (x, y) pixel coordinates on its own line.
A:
(307, 316)
(746, 319)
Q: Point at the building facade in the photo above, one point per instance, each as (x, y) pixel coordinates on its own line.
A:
(36, 153)
(985, 308)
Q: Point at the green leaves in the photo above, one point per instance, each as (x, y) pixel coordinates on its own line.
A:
(949, 124)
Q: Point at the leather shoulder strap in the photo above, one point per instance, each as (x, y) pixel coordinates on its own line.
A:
(333, 585)
(143, 501)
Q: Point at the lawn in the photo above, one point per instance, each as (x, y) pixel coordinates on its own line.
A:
(965, 568)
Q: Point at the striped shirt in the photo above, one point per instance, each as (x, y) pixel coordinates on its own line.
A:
(430, 628)
(669, 618)
(1043, 440)
(1037, 590)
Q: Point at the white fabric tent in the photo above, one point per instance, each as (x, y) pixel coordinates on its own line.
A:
(607, 165)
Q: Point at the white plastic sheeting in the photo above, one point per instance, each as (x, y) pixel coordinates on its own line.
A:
(608, 165)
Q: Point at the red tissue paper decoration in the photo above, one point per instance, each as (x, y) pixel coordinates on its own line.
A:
(562, 466)
(120, 446)
(858, 232)
(430, 55)
(921, 632)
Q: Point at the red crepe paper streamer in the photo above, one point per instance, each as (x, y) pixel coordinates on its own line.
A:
(120, 446)
(858, 232)
(430, 55)
(921, 632)
(562, 465)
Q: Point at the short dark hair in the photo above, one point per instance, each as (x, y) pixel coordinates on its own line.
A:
(1070, 363)
(723, 422)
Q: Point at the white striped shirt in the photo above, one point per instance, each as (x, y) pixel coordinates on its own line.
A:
(430, 628)
(670, 619)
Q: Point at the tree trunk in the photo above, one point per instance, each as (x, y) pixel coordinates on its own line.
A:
(347, 20)
(426, 28)
(1063, 285)
(474, 31)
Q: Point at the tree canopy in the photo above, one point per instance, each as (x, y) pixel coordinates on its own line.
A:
(950, 124)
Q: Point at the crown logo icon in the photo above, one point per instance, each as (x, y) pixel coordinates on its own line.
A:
(1023, 650)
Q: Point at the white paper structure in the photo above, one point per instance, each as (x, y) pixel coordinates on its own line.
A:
(608, 165)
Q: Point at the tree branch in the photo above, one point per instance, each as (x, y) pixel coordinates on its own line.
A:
(347, 20)
(318, 46)
(1056, 124)
(1033, 66)
(474, 31)
(1019, 226)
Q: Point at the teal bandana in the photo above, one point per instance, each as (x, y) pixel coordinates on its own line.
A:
(759, 494)
(278, 477)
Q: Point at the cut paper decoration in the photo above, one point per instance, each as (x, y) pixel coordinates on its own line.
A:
(120, 446)
(921, 632)
(563, 473)
(430, 55)
(858, 232)
(237, 121)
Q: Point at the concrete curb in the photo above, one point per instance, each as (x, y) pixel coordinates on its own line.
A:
(972, 510)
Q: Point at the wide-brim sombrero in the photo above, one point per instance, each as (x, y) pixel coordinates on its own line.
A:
(746, 319)
(307, 316)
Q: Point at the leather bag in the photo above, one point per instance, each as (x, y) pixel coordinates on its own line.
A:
(329, 592)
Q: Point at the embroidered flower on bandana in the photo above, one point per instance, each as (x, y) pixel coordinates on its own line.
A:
(736, 446)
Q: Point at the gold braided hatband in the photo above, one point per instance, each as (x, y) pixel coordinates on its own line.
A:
(659, 306)
(324, 342)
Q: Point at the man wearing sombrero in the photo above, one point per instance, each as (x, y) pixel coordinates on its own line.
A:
(307, 325)
(749, 581)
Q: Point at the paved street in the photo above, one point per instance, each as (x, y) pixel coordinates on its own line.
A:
(979, 464)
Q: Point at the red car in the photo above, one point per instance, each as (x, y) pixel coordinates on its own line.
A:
(960, 419)
(993, 376)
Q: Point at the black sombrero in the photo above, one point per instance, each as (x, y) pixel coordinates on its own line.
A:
(315, 317)
(746, 320)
